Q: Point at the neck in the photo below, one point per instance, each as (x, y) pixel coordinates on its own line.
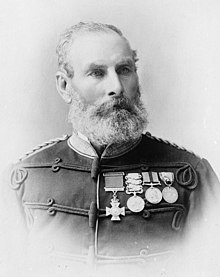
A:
(99, 148)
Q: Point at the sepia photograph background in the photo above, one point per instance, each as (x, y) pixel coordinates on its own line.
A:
(178, 45)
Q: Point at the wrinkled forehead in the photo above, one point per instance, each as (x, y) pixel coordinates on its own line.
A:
(99, 47)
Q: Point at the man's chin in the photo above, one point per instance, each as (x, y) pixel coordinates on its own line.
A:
(111, 122)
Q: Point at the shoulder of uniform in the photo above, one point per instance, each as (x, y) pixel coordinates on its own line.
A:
(148, 135)
(42, 147)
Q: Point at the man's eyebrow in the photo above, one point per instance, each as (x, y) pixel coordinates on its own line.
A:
(93, 66)
(127, 61)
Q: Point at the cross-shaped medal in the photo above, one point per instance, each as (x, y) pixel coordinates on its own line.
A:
(115, 211)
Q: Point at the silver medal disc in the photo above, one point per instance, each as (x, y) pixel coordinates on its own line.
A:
(170, 194)
(135, 204)
(153, 195)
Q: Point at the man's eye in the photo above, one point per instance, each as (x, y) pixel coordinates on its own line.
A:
(97, 73)
(124, 70)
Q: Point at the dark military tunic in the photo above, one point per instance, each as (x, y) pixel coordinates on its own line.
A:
(61, 190)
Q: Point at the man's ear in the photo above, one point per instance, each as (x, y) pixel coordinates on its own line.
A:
(62, 83)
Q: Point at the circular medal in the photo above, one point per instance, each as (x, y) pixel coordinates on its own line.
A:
(135, 204)
(153, 195)
(170, 194)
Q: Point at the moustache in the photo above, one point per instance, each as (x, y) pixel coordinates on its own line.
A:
(116, 104)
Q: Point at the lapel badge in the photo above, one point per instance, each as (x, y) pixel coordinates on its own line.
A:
(135, 203)
(115, 210)
(114, 183)
(152, 194)
(170, 194)
(133, 186)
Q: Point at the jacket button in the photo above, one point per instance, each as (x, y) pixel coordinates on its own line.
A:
(51, 211)
(144, 252)
(50, 201)
(146, 214)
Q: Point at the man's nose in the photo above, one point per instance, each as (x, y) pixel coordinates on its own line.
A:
(114, 85)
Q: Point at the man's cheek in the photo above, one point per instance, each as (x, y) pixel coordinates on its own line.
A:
(132, 86)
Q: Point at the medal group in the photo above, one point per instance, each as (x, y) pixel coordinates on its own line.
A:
(134, 186)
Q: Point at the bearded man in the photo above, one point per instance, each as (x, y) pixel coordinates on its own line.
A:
(107, 194)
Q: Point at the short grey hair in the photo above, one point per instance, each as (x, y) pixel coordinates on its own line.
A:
(70, 34)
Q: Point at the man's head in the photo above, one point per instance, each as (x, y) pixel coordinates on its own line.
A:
(97, 75)
(74, 32)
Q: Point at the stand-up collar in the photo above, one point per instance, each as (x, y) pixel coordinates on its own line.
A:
(79, 143)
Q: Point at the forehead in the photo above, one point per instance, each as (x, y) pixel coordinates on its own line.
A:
(103, 48)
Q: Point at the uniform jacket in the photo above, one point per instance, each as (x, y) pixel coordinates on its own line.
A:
(64, 190)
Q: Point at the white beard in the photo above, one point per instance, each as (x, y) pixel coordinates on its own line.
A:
(115, 121)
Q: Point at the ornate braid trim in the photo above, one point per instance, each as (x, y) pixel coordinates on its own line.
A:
(52, 208)
(42, 146)
(170, 143)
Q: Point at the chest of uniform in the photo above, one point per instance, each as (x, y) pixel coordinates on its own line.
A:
(135, 207)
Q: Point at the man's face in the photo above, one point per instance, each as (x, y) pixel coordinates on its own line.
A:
(103, 68)
(106, 105)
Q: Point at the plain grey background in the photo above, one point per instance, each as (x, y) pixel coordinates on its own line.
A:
(178, 46)
(178, 43)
